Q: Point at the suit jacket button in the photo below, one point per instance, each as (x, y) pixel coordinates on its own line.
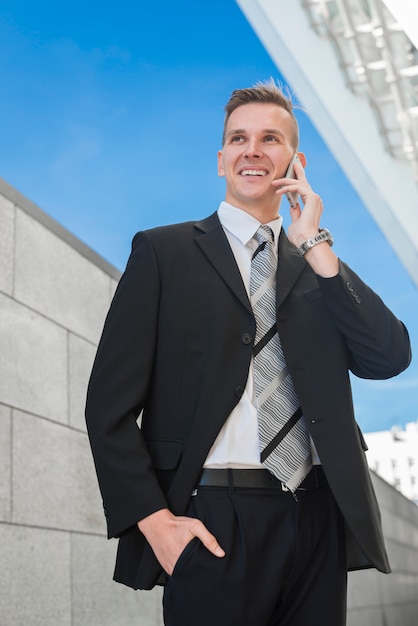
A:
(238, 391)
(246, 338)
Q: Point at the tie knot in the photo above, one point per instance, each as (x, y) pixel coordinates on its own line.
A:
(264, 234)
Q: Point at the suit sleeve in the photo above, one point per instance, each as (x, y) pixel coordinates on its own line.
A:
(117, 393)
(377, 342)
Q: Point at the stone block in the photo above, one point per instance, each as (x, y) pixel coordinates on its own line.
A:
(33, 362)
(369, 616)
(81, 357)
(398, 528)
(113, 285)
(97, 600)
(401, 615)
(5, 463)
(399, 588)
(56, 280)
(364, 588)
(392, 502)
(6, 245)
(403, 556)
(54, 482)
(34, 577)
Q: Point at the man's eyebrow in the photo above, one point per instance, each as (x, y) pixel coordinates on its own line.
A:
(266, 131)
(235, 131)
(274, 131)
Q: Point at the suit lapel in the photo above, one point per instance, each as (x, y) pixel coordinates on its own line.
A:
(214, 244)
(289, 268)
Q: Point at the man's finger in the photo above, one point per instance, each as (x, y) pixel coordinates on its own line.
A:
(209, 541)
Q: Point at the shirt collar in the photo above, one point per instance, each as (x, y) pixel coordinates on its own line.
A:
(243, 225)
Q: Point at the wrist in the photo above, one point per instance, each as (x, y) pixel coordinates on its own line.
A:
(153, 520)
(323, 261)
(323, 235)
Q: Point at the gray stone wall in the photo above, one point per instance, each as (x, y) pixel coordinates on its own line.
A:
(57, 564)
(376, 599)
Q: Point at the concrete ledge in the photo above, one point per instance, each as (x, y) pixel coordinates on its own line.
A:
(46, 220)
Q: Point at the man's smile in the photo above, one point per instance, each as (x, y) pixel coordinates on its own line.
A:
(253, 172)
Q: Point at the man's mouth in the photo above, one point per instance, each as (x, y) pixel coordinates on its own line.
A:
(252, 172)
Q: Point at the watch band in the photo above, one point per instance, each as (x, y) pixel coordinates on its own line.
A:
(323, 235)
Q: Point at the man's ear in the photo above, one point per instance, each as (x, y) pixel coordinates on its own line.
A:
(221, 171)
(302, 159)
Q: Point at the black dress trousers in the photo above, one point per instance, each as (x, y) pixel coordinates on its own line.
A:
(284, 565)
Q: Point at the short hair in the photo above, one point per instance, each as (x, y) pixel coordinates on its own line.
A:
(265, 93)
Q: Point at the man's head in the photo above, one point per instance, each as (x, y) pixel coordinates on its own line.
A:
(260, 139)
(265, 93)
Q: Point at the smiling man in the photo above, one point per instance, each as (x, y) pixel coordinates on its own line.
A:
(245, 489)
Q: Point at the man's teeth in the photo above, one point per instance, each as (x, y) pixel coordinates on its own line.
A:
(253, 173)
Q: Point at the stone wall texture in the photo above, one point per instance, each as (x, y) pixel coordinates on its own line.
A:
(57, 565)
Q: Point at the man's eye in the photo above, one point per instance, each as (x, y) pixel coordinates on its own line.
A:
(237, 138)
(271, 138)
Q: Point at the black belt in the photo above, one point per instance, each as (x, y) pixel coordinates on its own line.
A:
(257, 479)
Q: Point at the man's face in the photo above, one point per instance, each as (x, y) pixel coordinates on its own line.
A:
(257, 150)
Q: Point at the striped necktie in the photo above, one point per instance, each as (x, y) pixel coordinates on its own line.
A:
(284, 440)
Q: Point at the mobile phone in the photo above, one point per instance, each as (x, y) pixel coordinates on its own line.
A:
(292, 196)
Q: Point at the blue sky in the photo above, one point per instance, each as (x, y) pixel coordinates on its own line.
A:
(110, 121)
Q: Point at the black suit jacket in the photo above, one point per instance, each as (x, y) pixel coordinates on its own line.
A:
(176, 350)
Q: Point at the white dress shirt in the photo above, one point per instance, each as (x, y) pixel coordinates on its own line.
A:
(237, 444)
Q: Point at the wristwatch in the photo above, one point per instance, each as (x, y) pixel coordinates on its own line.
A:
(323, 235)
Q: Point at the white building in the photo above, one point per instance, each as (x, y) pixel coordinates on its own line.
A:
(393, 455)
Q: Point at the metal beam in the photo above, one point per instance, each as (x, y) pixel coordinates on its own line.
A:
(406, 13)
(345, 121)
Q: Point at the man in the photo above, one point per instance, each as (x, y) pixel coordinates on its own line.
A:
(245, 490)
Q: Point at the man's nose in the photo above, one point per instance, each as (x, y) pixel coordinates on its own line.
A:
(253, 149)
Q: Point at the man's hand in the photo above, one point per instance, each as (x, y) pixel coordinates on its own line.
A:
(306, 223)
(169, 534)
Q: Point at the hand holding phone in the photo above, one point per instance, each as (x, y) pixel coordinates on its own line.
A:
(292, 197)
